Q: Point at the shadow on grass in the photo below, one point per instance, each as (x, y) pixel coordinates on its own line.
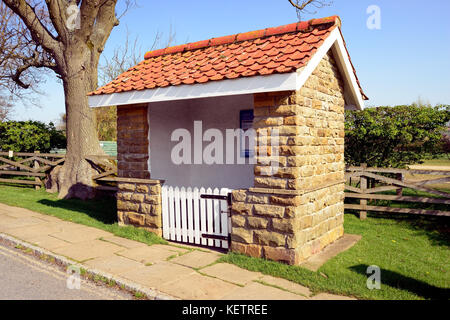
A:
(399, 281)
(103, 210)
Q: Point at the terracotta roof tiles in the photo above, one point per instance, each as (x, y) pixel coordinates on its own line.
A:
(263, 52)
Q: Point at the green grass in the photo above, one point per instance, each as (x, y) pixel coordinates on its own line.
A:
(440, 161)
(413, 257)
(101, 214)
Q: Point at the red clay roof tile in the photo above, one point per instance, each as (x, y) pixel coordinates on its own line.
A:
(262, 52)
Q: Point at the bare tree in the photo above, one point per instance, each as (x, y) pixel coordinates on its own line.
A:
(5, 109)
(129, 54)
(68, 37)
(17, 50)
(304, 6)
(126, 56)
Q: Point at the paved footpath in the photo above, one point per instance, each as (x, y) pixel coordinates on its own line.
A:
(26, 278)
(176, 272)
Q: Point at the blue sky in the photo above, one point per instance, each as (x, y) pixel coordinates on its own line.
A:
(408, 58)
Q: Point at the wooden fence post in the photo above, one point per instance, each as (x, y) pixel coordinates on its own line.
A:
(36, 166)
(363, 202)
(401, 178)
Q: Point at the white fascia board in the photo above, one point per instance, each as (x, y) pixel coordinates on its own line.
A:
(334, 42)
(249, 85)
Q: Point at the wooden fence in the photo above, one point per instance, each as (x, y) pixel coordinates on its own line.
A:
(24, 166)
(369, 184)
(106, 179)
(32, 168)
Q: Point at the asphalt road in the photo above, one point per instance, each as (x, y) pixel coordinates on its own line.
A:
(24, 277)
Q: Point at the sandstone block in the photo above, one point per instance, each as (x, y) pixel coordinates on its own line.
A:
(257, 222)
(238, 221)
(284, 255)
(270, 238)
(251, 250)
(241, 208)
(269, 210)
(126, 187)
(239, 195)
(142, 188)
(242, 235)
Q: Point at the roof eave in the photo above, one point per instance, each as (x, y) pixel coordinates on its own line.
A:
(240, 86)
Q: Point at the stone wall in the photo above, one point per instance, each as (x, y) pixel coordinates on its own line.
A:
(132, 141)
(139, 205)
(296, 207)
(138, 201)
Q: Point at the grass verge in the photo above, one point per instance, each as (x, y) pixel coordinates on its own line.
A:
(412, 255)
(101, 214)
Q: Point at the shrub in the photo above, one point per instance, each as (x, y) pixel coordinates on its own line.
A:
(30, 136)
(394, 136)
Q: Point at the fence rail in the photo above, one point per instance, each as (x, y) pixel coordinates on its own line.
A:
(106, 167)
(366, 184)
(21, 167)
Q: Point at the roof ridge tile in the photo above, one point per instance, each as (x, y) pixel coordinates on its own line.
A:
(251, 35)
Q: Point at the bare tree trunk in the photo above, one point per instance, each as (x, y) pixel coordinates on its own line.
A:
(72, 52)
(74, 178)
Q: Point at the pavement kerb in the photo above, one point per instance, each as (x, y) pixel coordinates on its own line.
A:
(65, 262)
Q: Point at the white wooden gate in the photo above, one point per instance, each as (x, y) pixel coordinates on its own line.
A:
(189, 218)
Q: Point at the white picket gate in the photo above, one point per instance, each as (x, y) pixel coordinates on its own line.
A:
(186, 216)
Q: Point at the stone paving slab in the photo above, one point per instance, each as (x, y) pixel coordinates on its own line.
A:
(17, 212)
(287, 285)
(158, 274)
(22, 213)
(173, 247)
(114, 264)
(148, 254)
(257, 291)
(196, 259)
(198, 287)
(88, 250)
(126, 243)
(53, 219)
(48, 242)
(9, 222)
(33, 231)
(6, 221)
(80, 234)
(344, 243)
(231, 273)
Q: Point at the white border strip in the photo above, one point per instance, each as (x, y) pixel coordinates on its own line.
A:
(270, 83)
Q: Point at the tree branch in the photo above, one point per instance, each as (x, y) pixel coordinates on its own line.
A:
(37, 61)
(302, 5)
(57, 12)
(106, 21)
(39, 32)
